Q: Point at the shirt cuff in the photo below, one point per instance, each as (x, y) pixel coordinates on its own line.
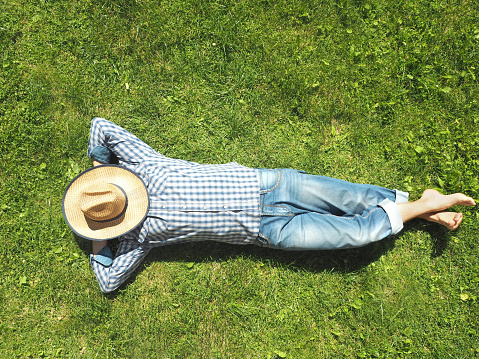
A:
(104, 257)
(101, 154)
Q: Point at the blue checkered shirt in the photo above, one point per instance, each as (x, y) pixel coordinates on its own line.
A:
(188, 201)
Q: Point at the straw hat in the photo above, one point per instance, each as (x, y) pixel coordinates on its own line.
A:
(105, 202)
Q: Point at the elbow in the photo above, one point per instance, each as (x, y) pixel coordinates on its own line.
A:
(107, 288)
(106, 283)
(95, 120)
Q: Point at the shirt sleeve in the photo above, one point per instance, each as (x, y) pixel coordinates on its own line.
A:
(107, 138)
(128, 257)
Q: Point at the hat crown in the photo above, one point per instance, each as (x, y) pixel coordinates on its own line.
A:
(102, 201)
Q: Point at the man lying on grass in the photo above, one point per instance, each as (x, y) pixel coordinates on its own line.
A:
(149, 200)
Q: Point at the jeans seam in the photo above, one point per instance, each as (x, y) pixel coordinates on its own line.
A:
(356, 215)
(263, 213)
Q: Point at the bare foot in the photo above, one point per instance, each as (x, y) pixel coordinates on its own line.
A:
(451, 220)
(431, 206)
(436, 202)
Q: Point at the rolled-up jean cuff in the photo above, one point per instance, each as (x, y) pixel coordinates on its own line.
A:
(394, 215)
(401, 197)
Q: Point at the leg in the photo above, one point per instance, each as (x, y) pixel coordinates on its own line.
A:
(311, 193)
(432, 205)
(316, 231)
(313, 231)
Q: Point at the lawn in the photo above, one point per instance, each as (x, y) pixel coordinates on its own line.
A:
(382, 92)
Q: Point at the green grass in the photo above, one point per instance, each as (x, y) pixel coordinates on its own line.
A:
(382, 92)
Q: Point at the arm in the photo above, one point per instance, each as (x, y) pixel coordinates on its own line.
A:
(112, 272)
(108, 139)
(128, 257)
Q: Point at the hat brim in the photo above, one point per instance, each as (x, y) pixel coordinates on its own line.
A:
(135, 213)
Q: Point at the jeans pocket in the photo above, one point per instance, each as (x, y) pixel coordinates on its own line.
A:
(269, 180)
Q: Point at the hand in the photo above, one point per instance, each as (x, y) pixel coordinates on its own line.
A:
(96, 163)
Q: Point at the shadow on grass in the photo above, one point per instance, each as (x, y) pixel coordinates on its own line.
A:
(345, 260)
(440, 238)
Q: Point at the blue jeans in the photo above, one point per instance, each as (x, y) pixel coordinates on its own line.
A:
(308, 212)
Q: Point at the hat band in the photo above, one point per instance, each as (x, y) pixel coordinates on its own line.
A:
(117, 216)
